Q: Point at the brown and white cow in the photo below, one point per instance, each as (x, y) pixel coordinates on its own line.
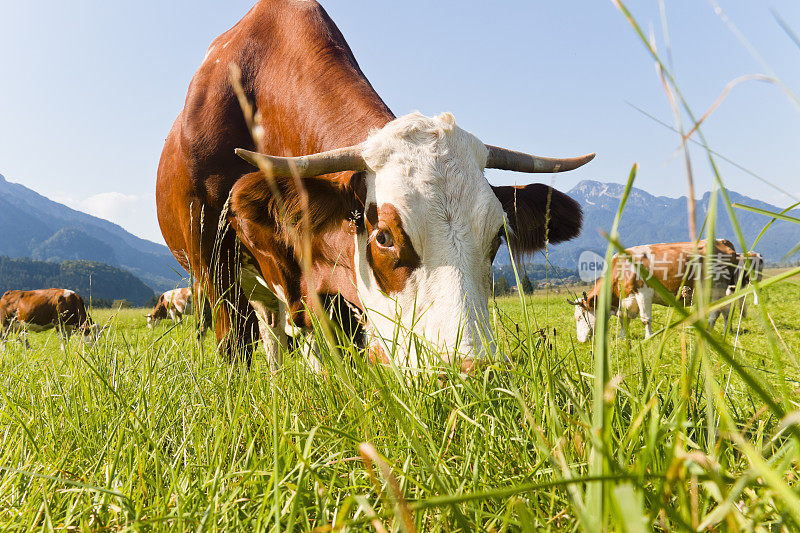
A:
(749, 267)
(43, 309)
(400, 220)
(171, 304)
(675, 265)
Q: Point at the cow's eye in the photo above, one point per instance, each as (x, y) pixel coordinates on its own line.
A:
(384, 239)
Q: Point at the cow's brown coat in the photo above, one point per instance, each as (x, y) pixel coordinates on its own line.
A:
(299, 72)
(44, 308)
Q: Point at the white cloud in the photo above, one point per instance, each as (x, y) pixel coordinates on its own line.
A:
(111, 205)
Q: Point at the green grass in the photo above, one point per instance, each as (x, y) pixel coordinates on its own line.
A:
(752, 345)
(146, 430)
(687, 431)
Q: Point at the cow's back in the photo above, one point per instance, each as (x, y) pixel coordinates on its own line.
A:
(675, 264)
(298, 70)
(36, 308)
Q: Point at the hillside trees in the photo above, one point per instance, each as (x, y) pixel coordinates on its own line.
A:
(87, 278)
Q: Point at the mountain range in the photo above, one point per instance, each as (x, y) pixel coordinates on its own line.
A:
(649, 219)
(37, 227)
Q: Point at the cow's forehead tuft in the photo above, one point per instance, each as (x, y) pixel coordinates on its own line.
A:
(415, 140)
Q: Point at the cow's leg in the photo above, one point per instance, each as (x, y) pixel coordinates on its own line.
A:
(199, 307)
(13, 328)
(644, 300)
(712, 318)
(344, 322)
(5, 328)
(738, 306)
(622, 316)
(63, 335)
(204, 322)
(310, 351)
(304, 341)
(270, 311)
(233, 318)
(273, 337)
(715, 314)
(718, 292)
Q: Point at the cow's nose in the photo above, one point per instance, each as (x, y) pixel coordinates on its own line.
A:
(478, 345)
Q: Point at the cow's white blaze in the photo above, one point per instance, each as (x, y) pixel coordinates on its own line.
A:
(584, 322)
(91, 334)
(431, 171)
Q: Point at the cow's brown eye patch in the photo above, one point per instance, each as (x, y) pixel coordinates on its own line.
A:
(390, 254)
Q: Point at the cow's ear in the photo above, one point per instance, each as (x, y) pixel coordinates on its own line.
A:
(538, 213)
(323, 201)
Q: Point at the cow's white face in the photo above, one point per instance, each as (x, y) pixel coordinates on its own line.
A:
(90, 334)
(584, 322)
(152, 321)
(432, 228)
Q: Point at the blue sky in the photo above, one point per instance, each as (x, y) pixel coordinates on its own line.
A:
(89, 90)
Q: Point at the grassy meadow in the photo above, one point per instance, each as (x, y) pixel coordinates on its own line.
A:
(147, 430)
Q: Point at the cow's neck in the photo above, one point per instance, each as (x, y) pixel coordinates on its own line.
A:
(330, 105)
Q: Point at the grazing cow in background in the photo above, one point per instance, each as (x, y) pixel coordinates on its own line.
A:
(675, 265)
(43, 309)
(171, 304)
(392, 215)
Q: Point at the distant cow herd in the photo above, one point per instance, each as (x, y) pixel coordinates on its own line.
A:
(286, 186)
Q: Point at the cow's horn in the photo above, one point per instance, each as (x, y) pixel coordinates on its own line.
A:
(575, 302)
(505, 159)
(306, 166)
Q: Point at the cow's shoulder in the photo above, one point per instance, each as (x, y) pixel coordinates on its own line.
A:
(9, 295)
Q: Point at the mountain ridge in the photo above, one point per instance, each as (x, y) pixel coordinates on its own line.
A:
(32, 222)
(40, 228)
(650, 219)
